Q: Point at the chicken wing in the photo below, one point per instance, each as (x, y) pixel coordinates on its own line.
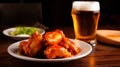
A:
(52, 38)
(32, 46)
(56, 51)
(70, 46)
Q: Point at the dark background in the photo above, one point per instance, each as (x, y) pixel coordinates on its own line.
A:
(51, 12)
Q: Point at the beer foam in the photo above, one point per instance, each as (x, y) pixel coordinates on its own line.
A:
(86, 5)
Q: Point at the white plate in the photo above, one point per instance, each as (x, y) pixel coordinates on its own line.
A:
(7, 33)
(109, 36)
(85, 50)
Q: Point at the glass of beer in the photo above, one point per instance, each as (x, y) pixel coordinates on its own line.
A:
(85, 15)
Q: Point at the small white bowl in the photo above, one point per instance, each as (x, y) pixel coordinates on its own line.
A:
(21, 36)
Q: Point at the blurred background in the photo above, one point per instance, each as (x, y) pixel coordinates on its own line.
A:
(51, 13)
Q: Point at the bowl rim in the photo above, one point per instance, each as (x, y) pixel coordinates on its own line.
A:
(7, 30)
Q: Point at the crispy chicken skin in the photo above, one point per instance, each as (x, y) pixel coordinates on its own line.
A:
(54, 37)
(32, 46)
(56, 51)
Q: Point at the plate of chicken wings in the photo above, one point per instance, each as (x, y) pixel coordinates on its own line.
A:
(53, 46)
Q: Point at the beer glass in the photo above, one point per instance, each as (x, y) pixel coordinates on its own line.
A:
(85, 15)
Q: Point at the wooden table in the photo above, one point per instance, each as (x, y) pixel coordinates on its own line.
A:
(103, 55)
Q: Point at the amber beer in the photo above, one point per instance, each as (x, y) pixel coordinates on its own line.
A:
(85, 20)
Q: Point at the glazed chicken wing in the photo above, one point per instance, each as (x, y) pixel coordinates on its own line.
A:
(54, 37)
(32, 46)
(56, 51)
(71, 46)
